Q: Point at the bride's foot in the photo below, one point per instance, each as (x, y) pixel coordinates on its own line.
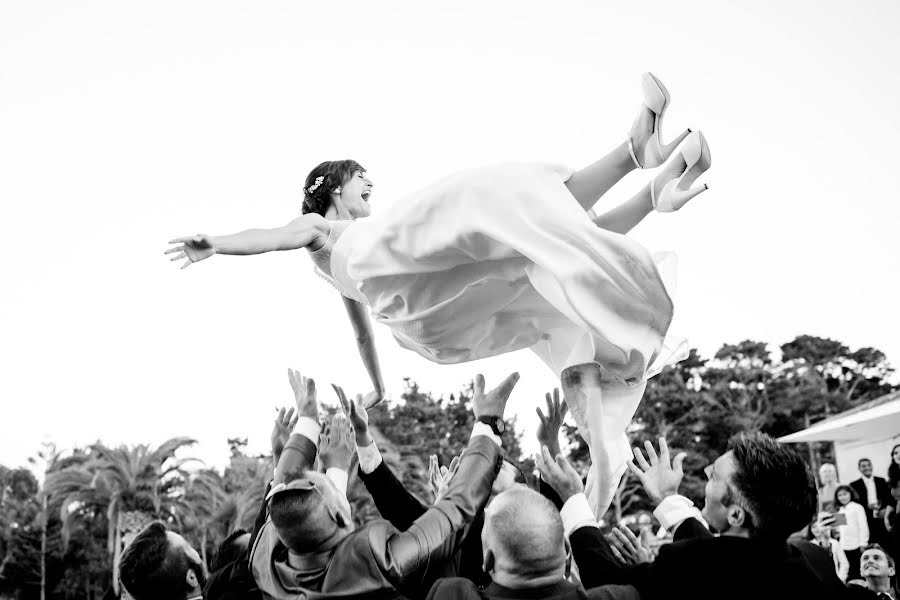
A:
(644, 142)
(671, 189)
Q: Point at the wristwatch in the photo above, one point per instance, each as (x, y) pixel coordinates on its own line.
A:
(498, 425)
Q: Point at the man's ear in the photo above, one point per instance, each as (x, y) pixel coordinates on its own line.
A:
(488, 565)
(568, 558)
(191, 579)
(737, 516)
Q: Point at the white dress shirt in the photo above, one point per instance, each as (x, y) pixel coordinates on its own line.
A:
(871, 491)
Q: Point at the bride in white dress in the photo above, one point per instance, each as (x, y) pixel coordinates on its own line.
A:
(500, 258)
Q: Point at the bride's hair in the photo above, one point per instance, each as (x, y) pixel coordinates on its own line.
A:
(322, 180)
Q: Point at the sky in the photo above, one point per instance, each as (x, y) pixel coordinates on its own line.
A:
(123, 125)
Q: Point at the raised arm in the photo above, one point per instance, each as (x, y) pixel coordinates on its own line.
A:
(365, 342)
(393, 501)
(310, 230)
(413, 559)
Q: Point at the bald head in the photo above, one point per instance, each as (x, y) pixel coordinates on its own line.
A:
(523, 537)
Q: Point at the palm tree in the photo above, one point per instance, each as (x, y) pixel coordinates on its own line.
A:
(196, 509)
(132, 486)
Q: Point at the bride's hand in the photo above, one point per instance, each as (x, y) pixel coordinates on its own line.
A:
(373, 398)
(194, 248)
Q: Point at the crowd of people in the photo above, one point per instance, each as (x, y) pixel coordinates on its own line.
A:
(854, 516)
(488, 534)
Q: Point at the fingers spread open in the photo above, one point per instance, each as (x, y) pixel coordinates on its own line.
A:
(639, 457)
(651, 453)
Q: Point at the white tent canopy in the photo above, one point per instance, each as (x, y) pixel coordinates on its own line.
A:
(876, 423)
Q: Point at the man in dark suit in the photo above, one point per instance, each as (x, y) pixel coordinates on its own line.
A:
(309, 549)
(875, 494)
(526, 554)
(758, 493)
(401, 508)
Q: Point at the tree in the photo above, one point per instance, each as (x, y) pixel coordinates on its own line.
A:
(132, 486)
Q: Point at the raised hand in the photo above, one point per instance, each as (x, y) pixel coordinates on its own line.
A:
(304, 395)
(628, 548)
(337, 449)
(440, 477)
(559, 474)
(281, 432)
(548, 430)
(660, 477)
(356, 413)
(494, 402)
(194, 248)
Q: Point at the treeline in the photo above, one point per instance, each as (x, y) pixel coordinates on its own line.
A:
(64, 538)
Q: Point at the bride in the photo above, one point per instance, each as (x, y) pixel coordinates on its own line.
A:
(500, 258)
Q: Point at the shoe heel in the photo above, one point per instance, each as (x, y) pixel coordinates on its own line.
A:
(672, 199)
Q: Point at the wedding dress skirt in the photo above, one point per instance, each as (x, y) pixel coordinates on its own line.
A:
(501, 258)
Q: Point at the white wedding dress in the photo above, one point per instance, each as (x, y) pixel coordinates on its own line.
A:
(501, 258)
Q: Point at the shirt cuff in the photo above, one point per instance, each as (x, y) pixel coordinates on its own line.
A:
(338, 477)
(485, 429)
(308, 428)
(576, 513)
(673, 510)
(369, 458)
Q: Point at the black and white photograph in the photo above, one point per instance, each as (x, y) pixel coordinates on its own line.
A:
(425, 301)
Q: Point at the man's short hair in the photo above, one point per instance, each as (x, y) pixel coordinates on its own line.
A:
(890, 559)
(228, 551)
(526, 532)
(301, 518)
(151, 568)
(861, 461)
(775, 482)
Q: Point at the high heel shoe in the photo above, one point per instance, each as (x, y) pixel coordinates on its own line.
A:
(653, 153)
(678, 192)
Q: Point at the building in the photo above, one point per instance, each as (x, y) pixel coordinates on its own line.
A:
(869, 430)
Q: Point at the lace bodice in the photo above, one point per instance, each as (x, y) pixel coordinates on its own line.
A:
(322, 257)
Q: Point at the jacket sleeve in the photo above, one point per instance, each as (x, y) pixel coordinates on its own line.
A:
(883, 489)
(393, 501)
(413, 558)
(597, 566)
(691, 529)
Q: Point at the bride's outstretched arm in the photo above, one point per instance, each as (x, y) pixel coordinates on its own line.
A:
(365, 342)
(309, 230)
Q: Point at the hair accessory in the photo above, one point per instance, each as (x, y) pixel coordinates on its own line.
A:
(316, 185)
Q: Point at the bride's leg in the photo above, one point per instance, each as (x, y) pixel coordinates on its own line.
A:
(627, 215)
(591, 182)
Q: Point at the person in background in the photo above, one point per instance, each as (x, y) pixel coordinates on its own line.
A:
(878, 570)
(875, 496)
(855, 532)
(820, 534)
(161, 564)
(829, 481)
(893, 472)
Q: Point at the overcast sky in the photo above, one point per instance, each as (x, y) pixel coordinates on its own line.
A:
(123, 125)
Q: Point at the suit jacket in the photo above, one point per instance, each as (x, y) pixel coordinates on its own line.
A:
(457, 588)
(377, 560)
(234, 581)
(882, 491)
(396, 504)
(712, 567)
